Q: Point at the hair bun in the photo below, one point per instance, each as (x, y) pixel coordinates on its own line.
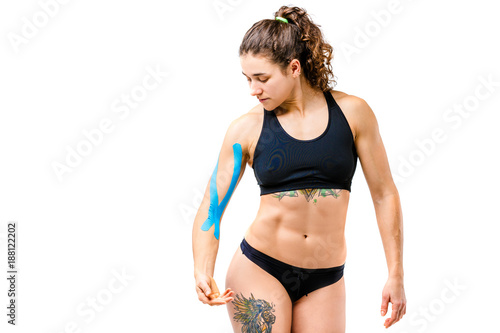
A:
(301, 40)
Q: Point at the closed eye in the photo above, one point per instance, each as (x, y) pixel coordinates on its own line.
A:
(263, 81)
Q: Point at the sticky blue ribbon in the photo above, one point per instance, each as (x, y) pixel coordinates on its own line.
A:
(216, 209)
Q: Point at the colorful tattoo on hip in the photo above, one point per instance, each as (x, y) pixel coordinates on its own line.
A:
(216, 209)
(256, 315)
(309, 193)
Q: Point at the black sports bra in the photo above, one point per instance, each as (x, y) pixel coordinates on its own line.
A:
(283, 163)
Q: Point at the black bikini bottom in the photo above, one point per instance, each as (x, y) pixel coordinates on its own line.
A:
(297, 281)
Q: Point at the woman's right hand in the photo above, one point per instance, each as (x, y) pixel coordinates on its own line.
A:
(207, 291)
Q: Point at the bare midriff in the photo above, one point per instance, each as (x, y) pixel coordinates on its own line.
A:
(303, 228)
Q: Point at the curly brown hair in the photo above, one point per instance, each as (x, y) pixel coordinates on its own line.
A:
(299, 39)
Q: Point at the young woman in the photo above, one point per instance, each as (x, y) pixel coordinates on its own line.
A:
(302, 140)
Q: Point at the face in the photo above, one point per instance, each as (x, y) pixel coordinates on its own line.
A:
(267, 82)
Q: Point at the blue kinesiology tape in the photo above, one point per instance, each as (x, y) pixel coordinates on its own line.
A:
(216, 209)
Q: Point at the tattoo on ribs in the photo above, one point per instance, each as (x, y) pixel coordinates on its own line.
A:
(309, 193)
(256, 315)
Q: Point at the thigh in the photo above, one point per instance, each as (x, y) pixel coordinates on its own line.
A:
(322, 310)
(260, 304)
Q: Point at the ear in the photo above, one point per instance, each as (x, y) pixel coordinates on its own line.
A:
(295, 68)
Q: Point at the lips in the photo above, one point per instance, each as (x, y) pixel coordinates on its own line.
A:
(262, 100)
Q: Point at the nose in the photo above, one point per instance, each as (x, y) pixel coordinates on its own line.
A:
(255, 89)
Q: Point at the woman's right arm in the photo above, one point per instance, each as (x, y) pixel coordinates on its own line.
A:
(225, 177)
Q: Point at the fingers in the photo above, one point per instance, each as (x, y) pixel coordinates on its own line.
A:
(228, 293)
(225, 298)
(209, 294)
(201, 295)
(203, 290)
(214, 290)
(398, 310)
(385, 305)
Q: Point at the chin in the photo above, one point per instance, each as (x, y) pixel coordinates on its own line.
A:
(268, 106)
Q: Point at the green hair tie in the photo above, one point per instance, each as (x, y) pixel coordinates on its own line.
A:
(279, 18)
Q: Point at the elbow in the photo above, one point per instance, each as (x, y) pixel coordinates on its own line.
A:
(388, 191)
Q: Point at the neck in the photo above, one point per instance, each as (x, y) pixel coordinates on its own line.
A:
(302, 98)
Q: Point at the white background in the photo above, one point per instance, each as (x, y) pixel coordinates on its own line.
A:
(129, 205)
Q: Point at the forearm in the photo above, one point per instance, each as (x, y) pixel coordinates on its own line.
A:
(390, 223)
(205, 245)
(204, 252)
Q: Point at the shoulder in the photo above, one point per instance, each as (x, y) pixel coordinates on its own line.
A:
(245, 123)
(356, 110)
(245, 127)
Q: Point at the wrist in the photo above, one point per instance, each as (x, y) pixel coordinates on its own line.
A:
(204, 271)
(396, 274)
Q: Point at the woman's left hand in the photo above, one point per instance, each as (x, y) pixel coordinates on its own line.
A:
(393, 292)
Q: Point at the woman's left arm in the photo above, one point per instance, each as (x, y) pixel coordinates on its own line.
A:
(385, 196)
